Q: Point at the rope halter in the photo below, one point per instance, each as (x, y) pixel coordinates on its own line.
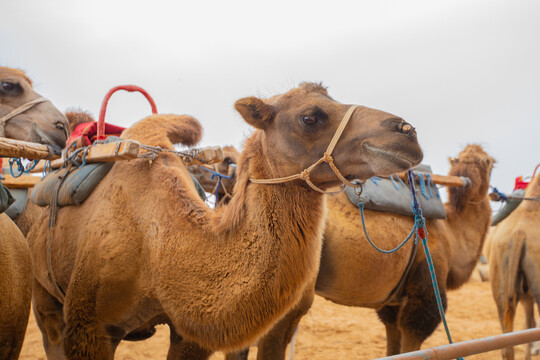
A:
(327, 158)
(18, 111)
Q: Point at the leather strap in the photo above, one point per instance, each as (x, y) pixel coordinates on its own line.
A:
(18, 111)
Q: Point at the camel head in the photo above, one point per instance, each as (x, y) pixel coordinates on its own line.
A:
(227, 167)
(298, 126)
(42, 123)
(473, 162)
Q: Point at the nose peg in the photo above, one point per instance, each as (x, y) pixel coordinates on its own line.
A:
(406, 128)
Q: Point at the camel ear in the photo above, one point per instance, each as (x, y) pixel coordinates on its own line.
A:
(453, 161)
(255, 112)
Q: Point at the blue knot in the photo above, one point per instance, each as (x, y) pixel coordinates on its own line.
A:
(220, 177)
(499, 194)
(20, 167)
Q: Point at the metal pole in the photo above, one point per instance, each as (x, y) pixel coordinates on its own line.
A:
(471, 347)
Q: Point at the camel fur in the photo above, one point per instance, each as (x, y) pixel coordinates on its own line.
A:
(514, 264)
(352, 273)
(150, 251)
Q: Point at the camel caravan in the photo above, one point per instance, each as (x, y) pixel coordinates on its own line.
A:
(115, 247)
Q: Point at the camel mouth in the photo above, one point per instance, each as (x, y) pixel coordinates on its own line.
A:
(45, 139)
(397, 159)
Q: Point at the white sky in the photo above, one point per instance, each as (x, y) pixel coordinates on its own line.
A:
(461, 71)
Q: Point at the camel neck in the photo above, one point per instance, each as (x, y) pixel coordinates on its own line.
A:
(468, 230)
(254, 259)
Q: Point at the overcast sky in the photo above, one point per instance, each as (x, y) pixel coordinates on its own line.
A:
(461, 71)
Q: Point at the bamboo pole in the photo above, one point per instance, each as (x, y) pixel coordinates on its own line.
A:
(18, 148)
(21, 182)
(471, 347)
(123, 150)
(447, 180)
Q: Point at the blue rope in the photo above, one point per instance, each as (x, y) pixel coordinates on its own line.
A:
(420, 223)
(220, 177)
(401, 181)
(419, 227)
(422, 184)
(375, 179)
(429, 182)
(361, 208)
(20, 167)
(47, 168)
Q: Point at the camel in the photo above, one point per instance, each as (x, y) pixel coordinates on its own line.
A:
(42, 123)
(352, 273)
(150, 251)
(513, 260)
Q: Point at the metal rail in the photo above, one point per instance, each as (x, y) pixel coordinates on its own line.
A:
(471, 347)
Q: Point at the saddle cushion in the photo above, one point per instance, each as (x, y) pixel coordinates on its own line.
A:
(394, 196)
(77, 186)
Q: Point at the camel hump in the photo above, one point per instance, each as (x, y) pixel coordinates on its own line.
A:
(164, 130)
(515, 254)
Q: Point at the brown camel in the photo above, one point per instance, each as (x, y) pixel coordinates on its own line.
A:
(514, 263)
(352, 273)
(150, 251)
(42, 123)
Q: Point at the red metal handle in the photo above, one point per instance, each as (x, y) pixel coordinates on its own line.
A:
(534, 173)
(130, 88)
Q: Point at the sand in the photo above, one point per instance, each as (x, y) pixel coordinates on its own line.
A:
(331, 331)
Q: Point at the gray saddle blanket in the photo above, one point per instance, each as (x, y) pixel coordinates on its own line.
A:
(6, 198)
(77, 186)
(394, 196)
(20, 196)
(74, 190)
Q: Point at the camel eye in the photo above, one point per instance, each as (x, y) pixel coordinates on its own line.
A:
(59, 125)
(7, 86)
(309, 120)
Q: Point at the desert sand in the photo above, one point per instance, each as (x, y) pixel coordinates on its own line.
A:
(332, 331)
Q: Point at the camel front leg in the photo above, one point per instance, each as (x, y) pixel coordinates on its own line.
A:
(185, 350)
(388, 315)
(85, 336)
(274, 344)
(419, 316)
(528, 305)
(506, 317)
(49, 315)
